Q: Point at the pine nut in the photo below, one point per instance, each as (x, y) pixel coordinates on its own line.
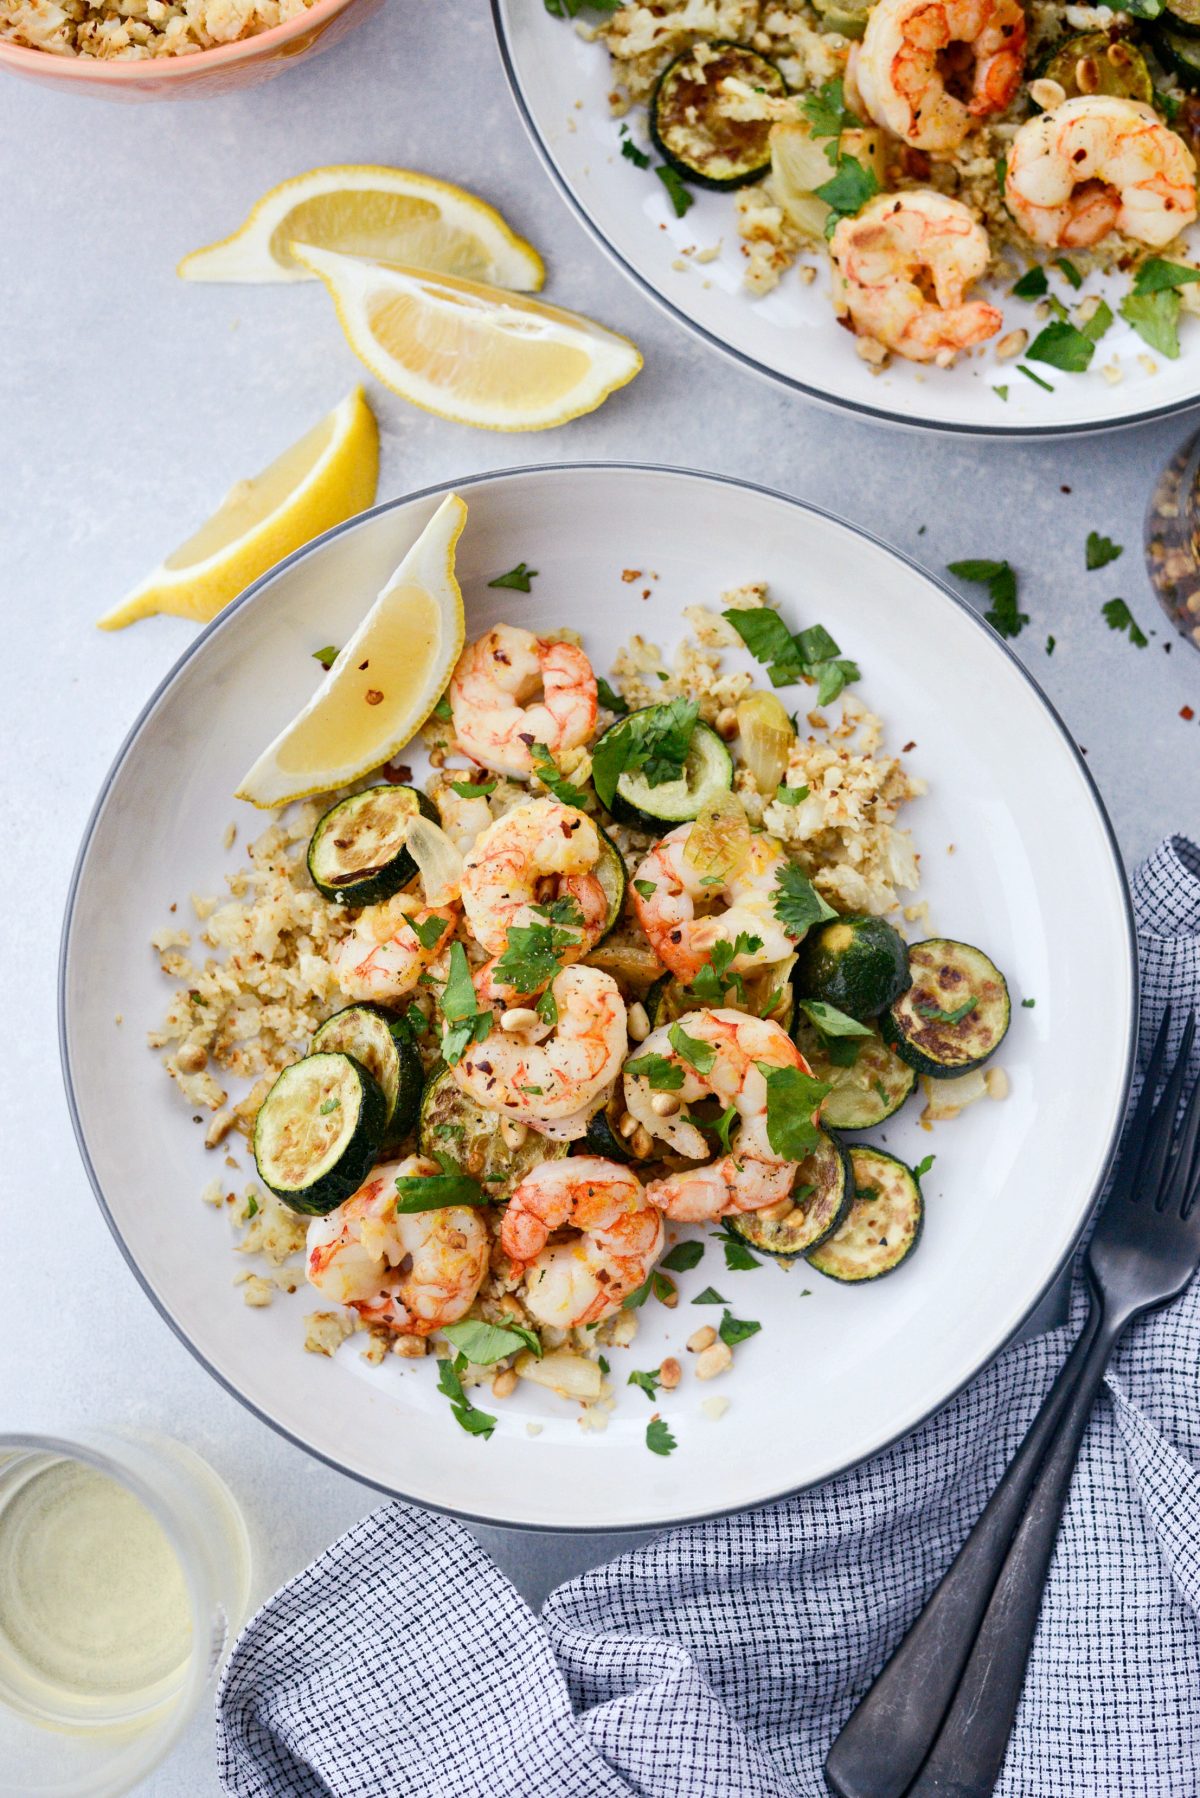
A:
(410, 1348)
(642, 1143)
(1087, 75)
(519, 1018)
(713, 1361)
(1010, 345)
(666, 1292)
(504, 1383)
(1047, 93)
(512, 1307)
(669, 1374)
(775, 1214)
(701, 1339)
(192, 1058)
(664, 1105)
(637, 1023)
(512, 1133)
(627, 1125)
(996, 1081)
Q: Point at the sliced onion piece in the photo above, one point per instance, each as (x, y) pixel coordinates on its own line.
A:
(439, 862)
(767, 738)
(718, 844)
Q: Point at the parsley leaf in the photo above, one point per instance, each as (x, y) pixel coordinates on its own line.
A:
(826, 111)
(923, 1167)
(483, 1344)
(698, 1055)
(738, 1259)
(467, 1023)
(1155, 318)
(327, 656)
(681, 197)
(721, 1128)
(609, 698)
(435, 1192)
(766, 636)
(429, 931)
(1050, 642)
(649, 1382)
(684, 1256)
(788, 657)
(547, 771)
(473, 789)
(830, 1021)
(1001, 391)
(328, 1106)
(1036, 379)
(517, 578)
(442, 709)
(631, 153)
(1101, 551)
(571, 9)
(1068, 271)
(547, 1008)
(1062, 345)
(717, 977)
(710, 1296)
(938, 1016)
(655, 1283)
(532, 956)
(1028, 1004)
(847, 191)
(655, 741)
(646, 888)
(1001, 583)
(474, 1422)
(416, 1020)
(792, 1098)
(659, 1439)
(797, 903)
(791, 795)
(663, 1074)
(1032, 285)
(1156, 275)
(733, 1330)
(1118, 617)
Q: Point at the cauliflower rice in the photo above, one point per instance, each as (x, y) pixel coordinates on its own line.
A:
(131, 30)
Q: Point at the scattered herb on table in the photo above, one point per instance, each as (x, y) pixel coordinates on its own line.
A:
(1100, 551)
(1001, 582)
(1118, 617)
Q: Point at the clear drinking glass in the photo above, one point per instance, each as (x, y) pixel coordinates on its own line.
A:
(1173, 540)
(92, 1700)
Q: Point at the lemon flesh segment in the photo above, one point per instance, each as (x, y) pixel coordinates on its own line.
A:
(323, 479)
(394, 215)
(385, 681)
(471, 353)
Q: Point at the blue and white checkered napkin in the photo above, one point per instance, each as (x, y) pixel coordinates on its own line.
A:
(723, 1658)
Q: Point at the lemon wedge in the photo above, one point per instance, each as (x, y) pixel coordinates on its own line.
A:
(384, 683)
(471, 353)
(391, 214)
(328, 476)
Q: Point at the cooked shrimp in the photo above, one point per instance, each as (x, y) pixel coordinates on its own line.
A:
(511, 690)
(927, 68)
(752, 1174)
(684, 941)
(384, 955)
(550, 1075)
(1099, 164)
(414, 1273)
(619, 1237)
(464, 820)
(903, 266)
(535, 854)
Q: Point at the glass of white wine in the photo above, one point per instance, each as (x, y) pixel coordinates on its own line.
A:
(124, 1574)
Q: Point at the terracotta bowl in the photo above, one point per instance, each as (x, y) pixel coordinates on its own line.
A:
(244, 64)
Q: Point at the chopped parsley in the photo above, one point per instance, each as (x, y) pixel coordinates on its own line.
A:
(473, 1421)
(327, 656)
(1159, 276)
(797, 903)
(792, 1098)
(1153, 306)
(646, 888)
(830, 1021)
(251, 1210)
(442, 709)
(436, 1192)
(533, 953)
(847, 190)
(1101, 551)
(329, 1105)
(1001, 392)
(937, 1016)
(716, 977)
(649, 1382)
(698, 1055)
(659, 1439)
(547, 1007)
(1001, 582)
(710, 1296)
(428, 931)
(721, 1127)
(517, 578)
(661, 1073)
(1028, 1004)
(1118, 617)
(473, 789)
(416, 1020)
(609, 698)
(738, 1259)
(547, 771)
(1050, 642)
(923, 1167)
(630, 151)
(654, 742)
(733, 1330)
(1069, 272)
(790, 656)
(467, 1024)
(791, 795)
(483, 1344)
(679, 195)
(656, 1283)
(1032, 285)
(1036, 379)
(683, 1257)
(1070, 347)
(571, 9)
(826, 111)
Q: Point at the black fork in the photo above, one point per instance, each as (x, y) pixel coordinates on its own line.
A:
(941, 1712)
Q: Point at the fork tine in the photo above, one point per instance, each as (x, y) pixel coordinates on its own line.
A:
(1162, 1125)
(1134, 1141)
(1185, 1166)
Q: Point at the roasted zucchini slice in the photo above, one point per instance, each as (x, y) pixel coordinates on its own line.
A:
(707, 771)
(1182, 15)
(955, 1013)
(383, 1043)
(765, 993)
(318, 1132)
(822, 1195)
(1094, 63)
(603, 1132)
(691, 132)
(858, 964)
(452, 1124)
(847, 17)
(860, 1096)
(357, 854)
(610, 872)
(1180, 54)
(883, 1225)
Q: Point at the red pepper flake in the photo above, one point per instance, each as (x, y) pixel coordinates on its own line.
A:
(907, 747)
(373, 696)
(397, 774)
(1186, 713)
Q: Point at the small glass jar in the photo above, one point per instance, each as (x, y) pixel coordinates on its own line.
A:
(1173, 540)
(67, 1737)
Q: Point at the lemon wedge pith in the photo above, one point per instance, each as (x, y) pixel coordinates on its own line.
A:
(471, 353)
(362, 210)
(324, 478)
(385, 681)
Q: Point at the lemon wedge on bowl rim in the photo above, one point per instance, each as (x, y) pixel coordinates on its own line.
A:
(383, 684)
(393, 214)
(324, 478)
(471, 353)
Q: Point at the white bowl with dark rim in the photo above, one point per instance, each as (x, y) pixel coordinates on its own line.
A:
(835, 1372)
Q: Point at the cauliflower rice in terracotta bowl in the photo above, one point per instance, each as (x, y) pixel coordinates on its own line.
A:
(166, 49)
